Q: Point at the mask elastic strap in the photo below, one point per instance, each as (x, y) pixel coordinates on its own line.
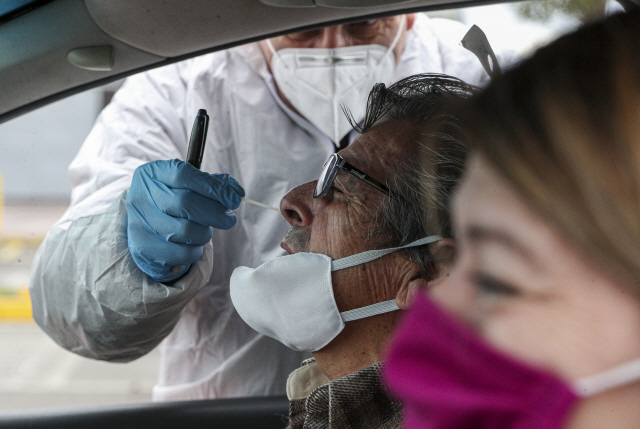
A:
(369, 310)
(274, 53)
(607, 380)
(398, 34)
(372, 255)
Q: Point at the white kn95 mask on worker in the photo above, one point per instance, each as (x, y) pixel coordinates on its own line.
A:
(318, 82)
(290, 298)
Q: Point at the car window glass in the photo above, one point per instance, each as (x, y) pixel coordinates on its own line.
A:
(34, 192)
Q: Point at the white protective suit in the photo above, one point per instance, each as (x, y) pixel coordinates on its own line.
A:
(86, 290)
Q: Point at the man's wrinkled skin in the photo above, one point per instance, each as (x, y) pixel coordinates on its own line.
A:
(340, 225)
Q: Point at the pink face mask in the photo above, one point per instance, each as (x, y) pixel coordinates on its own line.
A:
(447, 377)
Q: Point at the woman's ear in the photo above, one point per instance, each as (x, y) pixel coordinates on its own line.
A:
(444, 252)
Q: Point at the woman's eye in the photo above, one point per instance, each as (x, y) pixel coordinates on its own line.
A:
(334, 188)
(490, 286)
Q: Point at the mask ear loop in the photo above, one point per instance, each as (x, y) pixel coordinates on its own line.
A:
(369, 310)
(609, 379)
(275, 53)
(397, 38)
(368, 256)
(372, 255)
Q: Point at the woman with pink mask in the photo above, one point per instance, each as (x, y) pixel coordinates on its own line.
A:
(537, 325)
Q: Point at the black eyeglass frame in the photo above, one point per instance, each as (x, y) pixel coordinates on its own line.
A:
(329, 171)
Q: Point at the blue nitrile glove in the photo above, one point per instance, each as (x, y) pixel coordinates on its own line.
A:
(171, 209)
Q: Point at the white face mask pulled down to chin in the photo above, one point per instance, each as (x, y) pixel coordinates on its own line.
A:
(318, 82)
(290, 298)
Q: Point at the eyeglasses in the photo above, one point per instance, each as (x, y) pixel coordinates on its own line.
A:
(330, 169)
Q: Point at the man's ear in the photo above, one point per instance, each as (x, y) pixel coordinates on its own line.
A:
(444, 255)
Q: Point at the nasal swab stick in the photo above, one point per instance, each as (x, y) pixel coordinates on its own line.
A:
(255, 203)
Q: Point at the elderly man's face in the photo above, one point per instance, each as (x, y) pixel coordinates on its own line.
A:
(340, 223)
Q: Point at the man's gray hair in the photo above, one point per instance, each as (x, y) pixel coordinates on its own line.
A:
(426, 181)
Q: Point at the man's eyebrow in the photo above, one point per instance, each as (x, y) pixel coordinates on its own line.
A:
(479, 234)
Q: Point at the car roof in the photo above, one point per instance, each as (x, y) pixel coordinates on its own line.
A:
(56, 48)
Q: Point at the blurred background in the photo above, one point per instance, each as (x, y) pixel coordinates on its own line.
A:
(35, 191)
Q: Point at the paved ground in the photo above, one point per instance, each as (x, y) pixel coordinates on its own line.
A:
(35, 372)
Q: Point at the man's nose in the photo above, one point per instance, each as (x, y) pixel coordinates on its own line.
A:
(296, 206)
(332, 37)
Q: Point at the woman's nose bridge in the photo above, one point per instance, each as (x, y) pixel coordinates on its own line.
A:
(455, 294)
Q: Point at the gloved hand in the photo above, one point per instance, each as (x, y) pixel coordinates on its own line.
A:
(171, 209)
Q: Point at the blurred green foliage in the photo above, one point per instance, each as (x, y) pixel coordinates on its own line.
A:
(543, 10)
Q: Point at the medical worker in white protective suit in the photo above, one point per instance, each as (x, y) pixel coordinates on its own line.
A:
(275, 118)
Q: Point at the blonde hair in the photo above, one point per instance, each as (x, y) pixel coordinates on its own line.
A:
(564, 129)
